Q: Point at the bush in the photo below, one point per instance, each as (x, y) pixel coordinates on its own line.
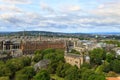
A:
(112, 74)
(4, 78)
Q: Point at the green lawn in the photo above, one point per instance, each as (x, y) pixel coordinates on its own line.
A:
(56, 77)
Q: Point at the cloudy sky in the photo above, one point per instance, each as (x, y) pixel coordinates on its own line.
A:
(60, 15)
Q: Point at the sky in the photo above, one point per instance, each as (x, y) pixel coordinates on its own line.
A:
(70, 16)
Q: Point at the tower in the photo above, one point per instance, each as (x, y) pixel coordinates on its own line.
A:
(39, 37)
(23, 36)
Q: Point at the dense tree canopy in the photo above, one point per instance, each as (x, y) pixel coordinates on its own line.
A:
(115, 42)
(91, 75)
(21, 68)
(42, 75)
(115, 65)
(4, 78)
(97, 55)
(4, 70)
(72, 74)
(25, 73)
(110, 57)
(37, 57)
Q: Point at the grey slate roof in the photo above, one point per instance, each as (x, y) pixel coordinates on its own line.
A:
(41, 64)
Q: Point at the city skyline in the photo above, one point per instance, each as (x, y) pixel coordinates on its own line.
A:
(60, 15)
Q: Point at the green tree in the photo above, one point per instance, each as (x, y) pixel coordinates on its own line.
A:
(97, 55)
(112, 74)
(72, 74)
(27, 73)
(107, 68)
(86, 74)
(4, 78)
(15, 64)
(38, 57)
(74, 51)
(66, 66)
(115, 65)
(115, 42)
(59, 69)
(118, 57)
(99, 69)
(96, 77)
(21, 77)
(38, 52)
(52, 67)
(85, 65)
(4, 70)
(54, 56)
(26, 61)
(110, 57)
(42, 75)
(47, 51)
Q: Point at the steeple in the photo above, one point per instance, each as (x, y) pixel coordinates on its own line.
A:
(23, 36)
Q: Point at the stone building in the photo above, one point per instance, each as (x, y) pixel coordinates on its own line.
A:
(73, 59)
(1, 45)
(10, 45)
(117, 50)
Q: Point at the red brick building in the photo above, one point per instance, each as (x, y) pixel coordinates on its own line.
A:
(30, 46)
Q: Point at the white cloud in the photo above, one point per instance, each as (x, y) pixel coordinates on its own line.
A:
(67, 22)
(70, 8)
(9, 8)
(101, 6)
(17, 1)
(102, 18)
(108, 9)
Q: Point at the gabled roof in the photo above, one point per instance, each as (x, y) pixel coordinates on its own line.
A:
(72, 55)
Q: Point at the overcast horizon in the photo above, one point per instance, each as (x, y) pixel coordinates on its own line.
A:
(69, 16)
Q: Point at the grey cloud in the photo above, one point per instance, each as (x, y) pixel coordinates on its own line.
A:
(59, 22)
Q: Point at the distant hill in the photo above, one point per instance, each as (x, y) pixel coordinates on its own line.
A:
(106, 33)
(40, 33)
(47, 33)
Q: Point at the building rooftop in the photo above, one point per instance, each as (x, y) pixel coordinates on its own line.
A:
(72, 55)
(41, 64)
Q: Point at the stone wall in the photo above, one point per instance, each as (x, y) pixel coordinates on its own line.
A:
(73, 59)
